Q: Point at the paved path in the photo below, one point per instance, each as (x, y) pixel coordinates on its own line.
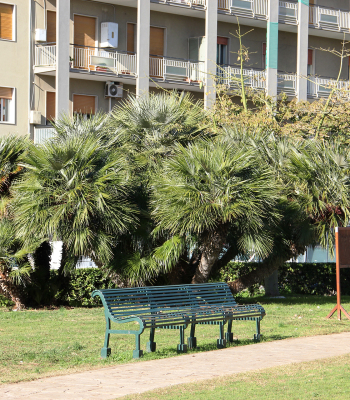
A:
(112, 382)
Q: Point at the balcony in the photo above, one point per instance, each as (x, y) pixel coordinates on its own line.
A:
(102, 62)
(245, 8)
(287, 83)
(319, 87)
(288, 13)
(329, 19)
(230, 76)
(41, 134)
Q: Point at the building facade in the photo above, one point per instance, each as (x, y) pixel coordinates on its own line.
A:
(81, 56)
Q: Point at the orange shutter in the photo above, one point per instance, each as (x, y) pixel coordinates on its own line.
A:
(130, 45)
(6, 11)
(84, 31)
(50, 105)
(6, 93)
(309, 57)
(222, 40)
(264, 49)
(83, 104)
(51, 27)
(156, 41)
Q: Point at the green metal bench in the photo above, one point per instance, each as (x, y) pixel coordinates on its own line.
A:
(174, 307)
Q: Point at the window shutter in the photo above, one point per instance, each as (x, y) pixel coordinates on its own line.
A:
(51, 27)
(309, 57)
(264, 49)
(6, 11)
(130, 45)
(83, 104)
(50, 105)
(84, 30)
(156, 41)
(6, 93)
(223, 41)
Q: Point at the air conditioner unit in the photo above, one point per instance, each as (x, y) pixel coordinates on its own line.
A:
(109, 34)
(40, 35)
(114, 89)
(35, 117)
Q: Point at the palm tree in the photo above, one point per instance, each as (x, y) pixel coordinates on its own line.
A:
(206, 189)
(75, 189)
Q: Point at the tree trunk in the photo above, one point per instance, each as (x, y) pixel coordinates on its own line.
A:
(271, 285)
(10, 290)
(212, 244)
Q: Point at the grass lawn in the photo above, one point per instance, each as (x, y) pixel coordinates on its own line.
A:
(39, 343)
(322, 380)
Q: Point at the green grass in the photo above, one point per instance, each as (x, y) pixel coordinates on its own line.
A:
(39, 343)
(322, 380)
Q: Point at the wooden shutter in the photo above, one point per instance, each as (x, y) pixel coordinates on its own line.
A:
(264, 49)
(222, 40)
(6, 93)
(51, 27)
(156, 41)
(309, 57)
(50, 105)
(84, 30)
(84, 104)
(130, 42)
(6, 11)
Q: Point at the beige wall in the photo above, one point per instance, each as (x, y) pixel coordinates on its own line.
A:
(14, 67)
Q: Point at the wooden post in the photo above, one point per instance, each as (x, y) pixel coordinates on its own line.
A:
(342, 239)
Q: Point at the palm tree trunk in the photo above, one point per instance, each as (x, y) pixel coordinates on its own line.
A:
(10, 290)
(211, 248)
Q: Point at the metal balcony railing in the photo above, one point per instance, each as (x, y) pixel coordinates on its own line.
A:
(288, 12)
(42, 134)
(287, 83)
(231, 77)
(329, 19)
(318, 87)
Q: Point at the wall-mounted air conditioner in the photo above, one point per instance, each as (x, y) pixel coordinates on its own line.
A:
(40, 35)
(35, 117)
(114, 89)
(109, 34)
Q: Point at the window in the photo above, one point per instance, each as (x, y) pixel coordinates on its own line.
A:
(7, 105)
(50, 106)
(51, 27)
(264, 55)
(156, 41)
(310, 63)
(131, 38)
(84, 105)
(6, 21)
(221, 54)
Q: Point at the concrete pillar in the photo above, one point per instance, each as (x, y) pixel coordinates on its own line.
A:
(211, 33)
(302, 49)
(62, 61)
(143, 46)
(272, 48)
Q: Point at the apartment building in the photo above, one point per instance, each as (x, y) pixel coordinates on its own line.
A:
(81, 56)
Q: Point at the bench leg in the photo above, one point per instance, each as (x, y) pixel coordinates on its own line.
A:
(221, 343)
(257, 336)
(151, 344)
(182, 347)
(229, 334)
(138, 352)
(192, 340)
(106, 351)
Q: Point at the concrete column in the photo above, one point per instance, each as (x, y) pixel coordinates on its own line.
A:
(302, 50)
(211, 33)
(143, 46)
(272, 48)
(62, 61)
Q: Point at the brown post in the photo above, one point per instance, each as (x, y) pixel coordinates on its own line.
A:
(342, 258)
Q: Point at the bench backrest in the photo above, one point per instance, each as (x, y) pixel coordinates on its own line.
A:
(143, 300)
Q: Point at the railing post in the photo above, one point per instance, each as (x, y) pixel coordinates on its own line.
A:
(302, 49)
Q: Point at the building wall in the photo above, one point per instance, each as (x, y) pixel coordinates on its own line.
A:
(14, 67)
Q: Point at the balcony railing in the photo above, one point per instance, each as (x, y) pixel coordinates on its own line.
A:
(231, 77)
(287, 83)
(45, 55)
(329, 19)
(177, 70)
(318, 87)
(42, 134)
(187, 2)
(288, 12)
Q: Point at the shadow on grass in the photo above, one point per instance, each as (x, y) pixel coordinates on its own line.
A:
(293, 300)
